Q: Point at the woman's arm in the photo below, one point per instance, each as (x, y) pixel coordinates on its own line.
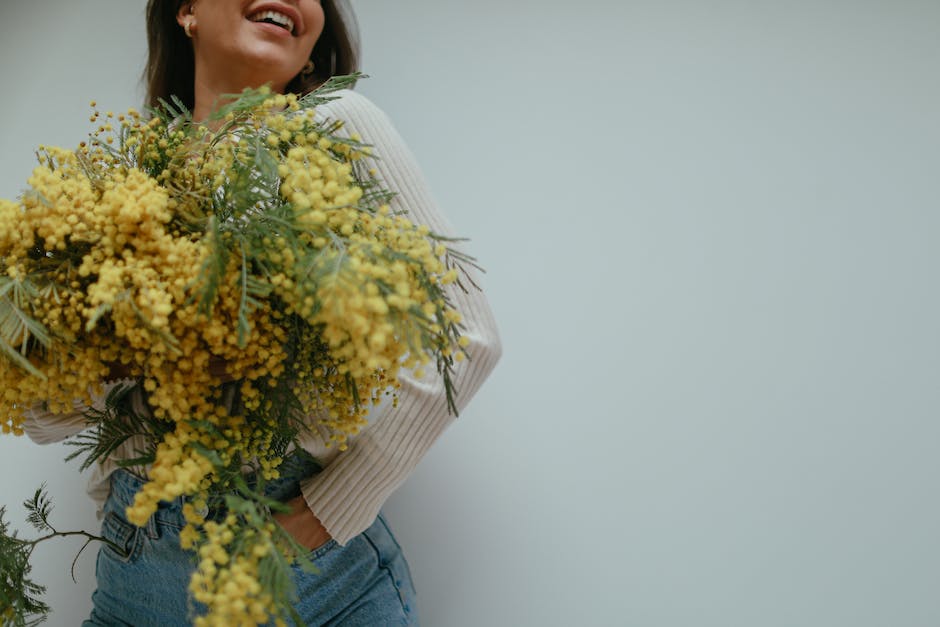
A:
(347, 495)
(44, 427)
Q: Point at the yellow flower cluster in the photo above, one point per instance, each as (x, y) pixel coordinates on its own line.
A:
(226, 580)
(360, 296)
(246, 249)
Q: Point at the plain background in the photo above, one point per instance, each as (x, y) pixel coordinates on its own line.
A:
(711, 232)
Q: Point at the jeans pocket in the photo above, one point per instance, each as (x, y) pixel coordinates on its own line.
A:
(318, 554)
(322, 550)
(123, 538)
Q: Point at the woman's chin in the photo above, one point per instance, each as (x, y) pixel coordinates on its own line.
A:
(255, 74)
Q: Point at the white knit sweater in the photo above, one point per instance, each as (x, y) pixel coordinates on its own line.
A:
(347, 494)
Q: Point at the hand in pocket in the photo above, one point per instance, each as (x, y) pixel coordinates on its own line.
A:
(303, 525)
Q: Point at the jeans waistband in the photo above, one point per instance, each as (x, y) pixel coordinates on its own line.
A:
(296, 467)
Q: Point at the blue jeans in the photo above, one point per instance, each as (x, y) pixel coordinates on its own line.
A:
(366, 582)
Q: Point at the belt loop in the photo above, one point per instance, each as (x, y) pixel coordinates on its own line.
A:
(152, 526)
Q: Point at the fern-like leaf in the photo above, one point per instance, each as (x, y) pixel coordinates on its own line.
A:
(38, 509)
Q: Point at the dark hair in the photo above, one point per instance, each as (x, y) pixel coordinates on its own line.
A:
(171, 71)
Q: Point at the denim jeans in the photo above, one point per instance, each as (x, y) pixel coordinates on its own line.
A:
(366, 582)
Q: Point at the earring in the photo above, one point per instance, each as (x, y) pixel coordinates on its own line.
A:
(309, 67)
(187, 25)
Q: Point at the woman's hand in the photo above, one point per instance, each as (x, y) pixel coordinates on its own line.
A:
(117, 370)
(303, 525)
(217, 368)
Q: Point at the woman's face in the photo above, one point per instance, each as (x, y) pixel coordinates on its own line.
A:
(247, 43)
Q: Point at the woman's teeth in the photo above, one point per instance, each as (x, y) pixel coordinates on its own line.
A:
(275, 18)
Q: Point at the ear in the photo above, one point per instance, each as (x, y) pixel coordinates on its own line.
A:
(185, 13)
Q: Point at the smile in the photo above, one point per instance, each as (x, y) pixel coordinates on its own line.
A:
(274, 17)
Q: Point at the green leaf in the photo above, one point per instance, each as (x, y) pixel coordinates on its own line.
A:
(208, 453)
(114, 425)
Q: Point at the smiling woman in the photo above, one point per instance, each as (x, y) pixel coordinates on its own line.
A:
(234, 45)
(199, 52)
(240, 44)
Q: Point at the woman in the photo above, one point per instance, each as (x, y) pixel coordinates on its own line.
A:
(199, 51)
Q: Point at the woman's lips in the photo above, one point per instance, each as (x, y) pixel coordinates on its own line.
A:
(277, 11)
(275, 18)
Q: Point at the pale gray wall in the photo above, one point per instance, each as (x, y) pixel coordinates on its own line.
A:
(711, 233)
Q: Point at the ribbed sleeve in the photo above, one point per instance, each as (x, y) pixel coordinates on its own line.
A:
(43, 427)
(347, 495)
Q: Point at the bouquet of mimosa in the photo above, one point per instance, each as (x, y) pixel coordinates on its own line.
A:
(257, 244)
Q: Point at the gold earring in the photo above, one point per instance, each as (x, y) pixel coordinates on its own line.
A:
(309, 67)
(187, 25)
